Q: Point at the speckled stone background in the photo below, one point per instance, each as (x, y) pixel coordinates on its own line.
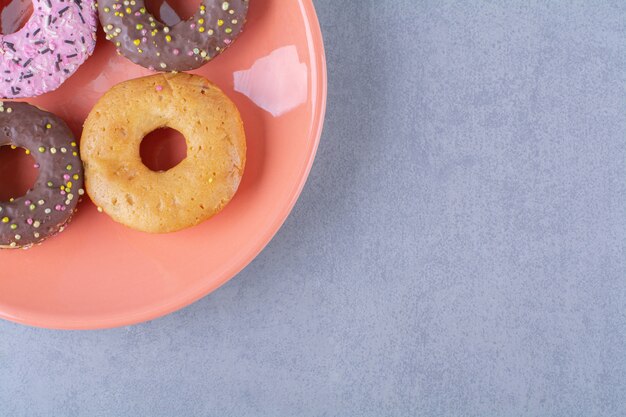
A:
(459, 249)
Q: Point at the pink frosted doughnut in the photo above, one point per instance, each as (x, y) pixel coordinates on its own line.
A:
(59, 36)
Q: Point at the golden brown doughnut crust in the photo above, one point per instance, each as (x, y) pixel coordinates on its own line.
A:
(191, 192)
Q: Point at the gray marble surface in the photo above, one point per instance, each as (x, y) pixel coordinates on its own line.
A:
(459, 249)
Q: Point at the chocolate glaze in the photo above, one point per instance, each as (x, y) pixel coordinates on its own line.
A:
(189, 44)
(48, 206)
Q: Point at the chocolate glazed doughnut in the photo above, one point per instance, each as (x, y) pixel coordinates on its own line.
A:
(49, 205)
(187, 45)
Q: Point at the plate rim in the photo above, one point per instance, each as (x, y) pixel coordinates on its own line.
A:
(184, 299)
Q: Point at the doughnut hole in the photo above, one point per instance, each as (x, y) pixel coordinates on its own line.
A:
(163, 149)
(18, 173)
(14, 14)
(171, 12)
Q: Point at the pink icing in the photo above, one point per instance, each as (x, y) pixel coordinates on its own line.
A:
(58, 38)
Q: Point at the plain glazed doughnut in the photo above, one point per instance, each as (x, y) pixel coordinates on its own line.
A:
(59, 36)
(194, 190)
(46, 209)
(187, 45)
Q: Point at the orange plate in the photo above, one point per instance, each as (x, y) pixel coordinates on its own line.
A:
(100, 274)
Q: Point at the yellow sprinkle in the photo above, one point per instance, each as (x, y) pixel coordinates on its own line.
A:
(128, 10)
(48, 126)
(139, 26)
(228, 30)
(201, 29)
(5, 220)
(137, 42)
(27, 151)
(42, 149)
(220, 23)
(168, 38)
